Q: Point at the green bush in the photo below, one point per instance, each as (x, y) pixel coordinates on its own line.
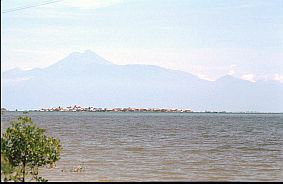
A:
(25, 148)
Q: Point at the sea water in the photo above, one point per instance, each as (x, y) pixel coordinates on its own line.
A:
(132, 146)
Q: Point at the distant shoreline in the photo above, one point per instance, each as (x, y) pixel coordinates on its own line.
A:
(78, 108)
(194, 112)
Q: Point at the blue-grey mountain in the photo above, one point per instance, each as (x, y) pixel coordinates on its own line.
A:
(89, 80)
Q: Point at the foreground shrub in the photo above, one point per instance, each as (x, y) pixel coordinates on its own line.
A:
(25, 148)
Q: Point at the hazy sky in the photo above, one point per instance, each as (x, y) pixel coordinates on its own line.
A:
(208, 38)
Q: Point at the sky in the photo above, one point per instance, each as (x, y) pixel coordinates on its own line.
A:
(207, 38)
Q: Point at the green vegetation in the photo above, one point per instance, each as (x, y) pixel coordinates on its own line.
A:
(25, 148)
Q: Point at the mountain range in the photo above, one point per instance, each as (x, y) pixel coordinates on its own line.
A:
(89, 80)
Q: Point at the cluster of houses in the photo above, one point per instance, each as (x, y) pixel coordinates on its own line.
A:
(76, 108)
(3, 109)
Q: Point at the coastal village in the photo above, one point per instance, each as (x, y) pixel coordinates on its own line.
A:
(78, 108)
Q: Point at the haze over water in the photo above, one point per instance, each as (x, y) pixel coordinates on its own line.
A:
(163, 146)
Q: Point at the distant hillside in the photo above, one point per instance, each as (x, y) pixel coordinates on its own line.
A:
(89, 80)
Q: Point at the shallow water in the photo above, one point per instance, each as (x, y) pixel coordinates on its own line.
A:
(163, 146)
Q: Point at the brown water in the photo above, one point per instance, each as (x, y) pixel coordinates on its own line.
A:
(164, 146)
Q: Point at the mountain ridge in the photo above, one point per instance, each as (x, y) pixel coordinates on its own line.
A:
(88, 79)
(93, 58)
